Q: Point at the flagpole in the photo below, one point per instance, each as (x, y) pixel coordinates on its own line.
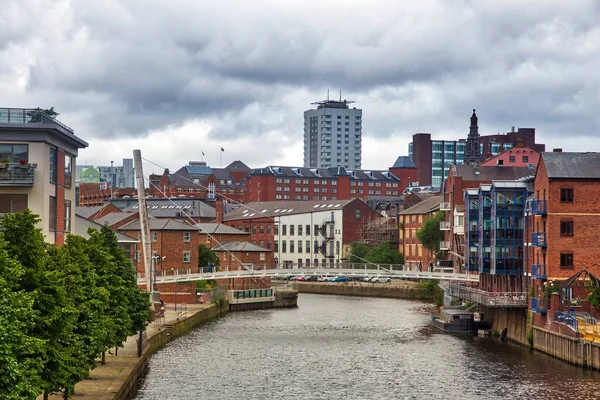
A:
(221, 158)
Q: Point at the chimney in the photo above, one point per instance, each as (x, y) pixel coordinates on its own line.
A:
(557, 150)
(519, 143)
(512, 129)
(219, 210)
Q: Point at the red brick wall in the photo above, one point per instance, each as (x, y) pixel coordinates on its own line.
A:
(256, 238)
(353, 226)
(60, 199)
(406, 176)
(409, 243)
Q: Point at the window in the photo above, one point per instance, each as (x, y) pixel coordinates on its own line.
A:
(254, 229)
(511, 159)
(337, 247)
(268, 229)
(261, 243)
(67, 215)
(268, 245)
(316, 246)
(283, 246)
(52, 218)
(308, 229)
(11, 203)
(284, 230)
(299, 246)
(187, 236)
(276, 229)
(525, 159)
(53, 164)
(291, 230)
(358, 213)
(154, 236)
(68, 171)
(566, 260)
(247, 228)
(566, 228)
(566, 195)
(316, 229)
(299, 230)
(276, 248)
(291, 246)
(307, 248)
(261, 229)
(187, 257)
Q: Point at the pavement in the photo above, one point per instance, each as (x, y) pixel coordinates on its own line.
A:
(106, 380)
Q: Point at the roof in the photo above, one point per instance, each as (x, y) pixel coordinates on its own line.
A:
(237, 165)
(404, 162)
(572, 165)
(271, 209)
(213, 228)
(238, 246)
(83, 224)
(511, 185)
(595, 281)
(331, 173)
(171, 208)
(164, 224)
(490, 173)
(113, 217)
(426, 206)
(87, 212)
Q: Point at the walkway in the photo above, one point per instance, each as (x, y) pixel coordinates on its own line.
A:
(107, 379)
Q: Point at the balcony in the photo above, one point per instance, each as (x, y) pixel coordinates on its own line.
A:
(445, 206)
(444, 245)
(459, 230)
(538, 207)
(488, 299)
(538, 271)
(27, 117)
(538, 305)
(444, 226)
(17, 174)
(538, 239)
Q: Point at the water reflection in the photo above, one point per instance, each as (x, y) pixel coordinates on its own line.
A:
(353, 348)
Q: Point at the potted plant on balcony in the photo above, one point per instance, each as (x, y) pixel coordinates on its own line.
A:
(3, 164)
(24, 164)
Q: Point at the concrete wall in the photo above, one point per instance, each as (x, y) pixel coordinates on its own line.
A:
(573, 350)
(367, 290)
(514, 319)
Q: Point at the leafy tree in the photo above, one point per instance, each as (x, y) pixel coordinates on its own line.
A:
(385, 253)
(430, 234)
(41, 115)
(358, 251)
(205, 256)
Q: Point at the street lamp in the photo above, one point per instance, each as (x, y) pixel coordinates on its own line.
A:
(175, 298)
(156, 258)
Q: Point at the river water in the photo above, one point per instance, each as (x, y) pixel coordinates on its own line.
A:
(335, 347)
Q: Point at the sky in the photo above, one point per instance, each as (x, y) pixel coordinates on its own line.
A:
(178, 78)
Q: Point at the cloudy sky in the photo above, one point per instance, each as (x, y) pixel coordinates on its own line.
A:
(175, 78)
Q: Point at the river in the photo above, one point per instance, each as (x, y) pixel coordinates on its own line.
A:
(335, 347)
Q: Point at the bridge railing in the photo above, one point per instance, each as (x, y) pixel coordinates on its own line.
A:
(489, 299)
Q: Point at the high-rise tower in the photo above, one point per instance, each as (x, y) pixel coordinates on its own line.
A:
(333, 135)
(473, 152)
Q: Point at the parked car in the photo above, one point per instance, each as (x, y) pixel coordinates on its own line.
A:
(381, 279)
(368, 278)
(310, 278)
(340, 278)
(323, 279)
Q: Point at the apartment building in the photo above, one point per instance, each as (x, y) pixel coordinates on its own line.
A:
(37, 168)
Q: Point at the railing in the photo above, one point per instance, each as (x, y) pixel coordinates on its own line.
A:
(489, 299)
(444, 245)
(538, 207)
(17, 174)
(29, 116)
(566, 319)
(538, 239)
(538, 271)
(444, 226)
(539, 305)
(181, 309)
(250, 296)
(445, 206)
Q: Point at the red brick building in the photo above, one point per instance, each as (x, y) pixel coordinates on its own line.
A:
(96, 194)
(515, 157)
(411, 220)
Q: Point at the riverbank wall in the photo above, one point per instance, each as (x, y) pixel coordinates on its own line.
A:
(513, 319)
(368, 290)
(573, 350)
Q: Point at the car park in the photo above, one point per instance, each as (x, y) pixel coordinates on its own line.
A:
(381, 279)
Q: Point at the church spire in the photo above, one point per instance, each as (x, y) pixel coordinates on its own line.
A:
(473, 152)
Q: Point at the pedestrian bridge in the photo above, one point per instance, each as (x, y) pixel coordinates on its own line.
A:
(388, 270)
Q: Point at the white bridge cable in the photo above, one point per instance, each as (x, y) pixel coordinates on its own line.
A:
(230, 200)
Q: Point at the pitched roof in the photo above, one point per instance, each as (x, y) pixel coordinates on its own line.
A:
(171, 208)
(83, 224)
(572, 165)
(426, 206)
(237, 165)
(238, 246)
(404, 162)
(113, 217)
(277, 208)
(163, 224)
(213, 228)
(331, 173)
(490, 173)
(87, 212)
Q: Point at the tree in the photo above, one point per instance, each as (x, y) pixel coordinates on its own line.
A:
(358, 251)
(206, 256)
(430, 234)
(40, 115)
(385, 253)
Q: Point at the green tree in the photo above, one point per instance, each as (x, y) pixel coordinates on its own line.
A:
(205, 256)
(42, 115)
(358, 251)
(430, 234)
(385, 253)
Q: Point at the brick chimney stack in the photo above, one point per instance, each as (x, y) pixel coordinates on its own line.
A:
(219, 210)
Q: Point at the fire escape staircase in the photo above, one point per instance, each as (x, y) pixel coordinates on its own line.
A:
(326, 233)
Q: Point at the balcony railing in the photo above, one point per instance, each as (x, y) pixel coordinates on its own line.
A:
(538, 239)
(444, 226)
(30, 116)
(445, 206)
(488, 299)
(17, 174)
(566, 318)
(539, 305)
(444, 245)
(538, 207)
(538, 271)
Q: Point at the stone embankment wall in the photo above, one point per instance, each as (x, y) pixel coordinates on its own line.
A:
(576, 351)
(369, 290)
(513, 319)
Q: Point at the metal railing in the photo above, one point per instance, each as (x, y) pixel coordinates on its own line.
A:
(538, 271)
(538, 239)
(444, 245)
(445, 206)
(538, 207)
(17, 174)
(29, 116)
(444, 226)
(566, 319)
(489, 299)
(538, 305)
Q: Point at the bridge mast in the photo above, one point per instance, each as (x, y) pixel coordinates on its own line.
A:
(144, 227)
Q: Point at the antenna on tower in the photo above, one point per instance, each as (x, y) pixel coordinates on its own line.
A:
(340, 95)
(327, 94)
